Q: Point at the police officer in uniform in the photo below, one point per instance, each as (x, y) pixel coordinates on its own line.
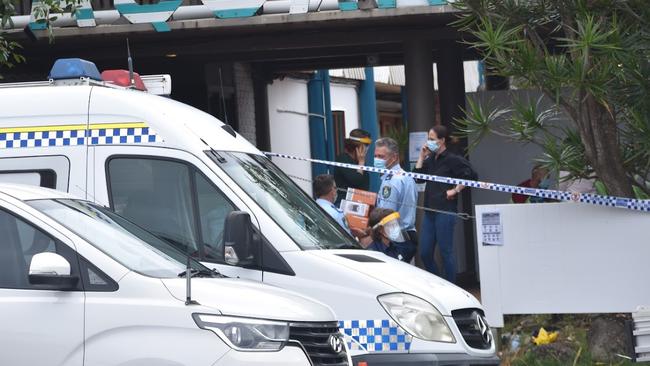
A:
(325, 193)
(397, 192)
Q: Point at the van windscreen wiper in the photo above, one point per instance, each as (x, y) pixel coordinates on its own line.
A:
(202, 273)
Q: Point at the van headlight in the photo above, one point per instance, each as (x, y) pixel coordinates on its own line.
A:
(246, 334)
(417, 317)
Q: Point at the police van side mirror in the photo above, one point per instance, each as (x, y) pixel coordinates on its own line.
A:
(241, 242)
(51, 271)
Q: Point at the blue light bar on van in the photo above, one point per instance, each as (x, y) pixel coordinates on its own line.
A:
(74, 68)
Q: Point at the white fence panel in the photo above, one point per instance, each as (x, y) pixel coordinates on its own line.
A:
(564, 258)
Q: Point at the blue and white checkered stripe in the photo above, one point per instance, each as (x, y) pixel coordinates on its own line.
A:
(379, 335)
(594, 199)
(76, 136)
(107, 136)
(9, 140)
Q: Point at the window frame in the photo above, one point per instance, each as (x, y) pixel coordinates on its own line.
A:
(282, 266)
(84, 278)
(193, 194)
(42, 163)
(69, 253)
(40, 172)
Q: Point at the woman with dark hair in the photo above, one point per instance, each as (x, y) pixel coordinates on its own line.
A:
(438, 228)
(355, 147)
(387, 235)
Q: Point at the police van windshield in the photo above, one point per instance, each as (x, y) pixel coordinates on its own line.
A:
(120, 239)
(288, 205)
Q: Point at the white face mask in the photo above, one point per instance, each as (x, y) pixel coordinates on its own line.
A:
(394, 232)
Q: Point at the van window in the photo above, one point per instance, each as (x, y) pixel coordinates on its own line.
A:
(172, 200)
(121, 240)
(50, 171)
(156, 195)
(288, 205)
(43, 178)
(20, 242)
(213, 209)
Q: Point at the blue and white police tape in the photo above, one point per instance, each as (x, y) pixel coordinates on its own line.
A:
(594, 199)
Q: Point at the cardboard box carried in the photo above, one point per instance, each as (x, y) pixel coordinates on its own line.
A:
(357, 222)
(361, 196)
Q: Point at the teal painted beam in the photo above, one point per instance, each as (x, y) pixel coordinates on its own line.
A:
(161, 26)
(369, 120)
(37, 26)
(236, 13)
(85, 14)
(386, 4)
(348, 5)
(316, 107)
(161, 7)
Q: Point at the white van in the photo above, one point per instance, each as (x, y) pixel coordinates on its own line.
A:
(80, 285)
(179, 173)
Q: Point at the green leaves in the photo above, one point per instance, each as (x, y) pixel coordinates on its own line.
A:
(526, 121)
(496, 39)
(9, 55)
(566, 155)
(7, 9)
(45, 11)
(530, 119)
(479, 121)
(592, 58)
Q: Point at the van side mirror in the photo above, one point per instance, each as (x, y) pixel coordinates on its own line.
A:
(241, 243)
(51, 271)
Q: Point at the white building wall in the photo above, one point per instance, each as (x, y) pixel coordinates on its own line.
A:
(289, 127)
(345, 98)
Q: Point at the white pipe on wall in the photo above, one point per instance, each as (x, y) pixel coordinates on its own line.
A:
(282, 6)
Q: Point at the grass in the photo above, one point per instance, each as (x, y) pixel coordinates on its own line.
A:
(569, 349)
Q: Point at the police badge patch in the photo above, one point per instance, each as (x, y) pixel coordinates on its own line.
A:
(385, 192)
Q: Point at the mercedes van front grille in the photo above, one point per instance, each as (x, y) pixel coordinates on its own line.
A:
(322, 342)
(473, 327)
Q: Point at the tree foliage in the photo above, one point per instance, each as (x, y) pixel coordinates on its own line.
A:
(45, 11)
(591, 58)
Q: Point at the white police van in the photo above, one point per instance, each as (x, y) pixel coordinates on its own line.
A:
(179, 173)
(80, 285)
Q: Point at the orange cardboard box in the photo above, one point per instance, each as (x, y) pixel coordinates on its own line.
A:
(357, 222)
(361, 196)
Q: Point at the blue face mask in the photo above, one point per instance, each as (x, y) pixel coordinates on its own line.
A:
(433, 145)
(380, 163)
